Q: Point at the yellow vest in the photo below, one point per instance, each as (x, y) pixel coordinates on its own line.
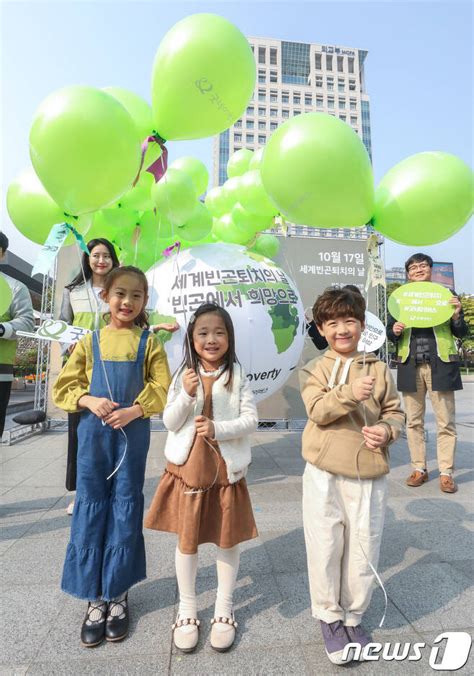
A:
(445, 343)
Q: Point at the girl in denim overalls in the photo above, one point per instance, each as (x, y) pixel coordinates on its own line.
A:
(117, 377)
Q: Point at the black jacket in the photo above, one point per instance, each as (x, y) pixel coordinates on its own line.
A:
(319, 341)
(445, 376)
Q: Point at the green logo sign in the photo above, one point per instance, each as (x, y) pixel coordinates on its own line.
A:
(421, 304)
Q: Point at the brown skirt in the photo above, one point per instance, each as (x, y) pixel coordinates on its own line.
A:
(221, 513)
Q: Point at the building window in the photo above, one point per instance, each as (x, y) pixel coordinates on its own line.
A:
(262, 139)
(308, 100)
(340, 85)
(273, 126)
(352, 85)
(250, 110)
(273, 56)
(273, 112)
(353, 104)
(330, 84)
(285, 112)
(350, 64)
(261, 95)
(295, 63)
(330, 102)
(250, 124)
(342, 102)
(223, 155)
(273, 76)
(340, 64)
(238, 124)
(261, 54)
(285, 97)
(237, 138)
(328, 61)
(342, 117)
(252, 48)
(297, 112)
(262, 125)
(296, 98)
(317, 61)
(262, 112)
(262, 77)
(319, 81)
(319, 101)
(273, 97)
(353, 119)
(237, 148)
(249, 138)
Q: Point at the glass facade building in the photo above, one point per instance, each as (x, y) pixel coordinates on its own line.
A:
(295, 64)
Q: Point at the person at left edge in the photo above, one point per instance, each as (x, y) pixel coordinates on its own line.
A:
(117, 377)
(17, 317)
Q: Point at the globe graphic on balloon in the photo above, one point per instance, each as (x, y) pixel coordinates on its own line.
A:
(263, 301)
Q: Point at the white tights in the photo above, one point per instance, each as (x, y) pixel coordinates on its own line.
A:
(227, 564)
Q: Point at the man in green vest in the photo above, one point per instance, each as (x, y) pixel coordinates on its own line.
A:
(17, 317)
(428, 362)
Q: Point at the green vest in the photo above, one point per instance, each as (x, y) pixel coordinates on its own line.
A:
(445, 343)
(7, 347)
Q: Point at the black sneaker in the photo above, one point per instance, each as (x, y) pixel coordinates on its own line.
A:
(335, 640)
(116, 626)
(93, 631)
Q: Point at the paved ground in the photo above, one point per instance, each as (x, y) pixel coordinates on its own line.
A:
(426, 564)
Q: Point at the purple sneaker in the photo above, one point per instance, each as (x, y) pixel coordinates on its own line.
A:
(358, 635)
(335, 640)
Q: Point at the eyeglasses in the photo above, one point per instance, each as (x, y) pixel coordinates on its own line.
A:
(421, 266)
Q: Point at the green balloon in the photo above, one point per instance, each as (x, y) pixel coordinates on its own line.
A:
(139, 197)
(120, 218)
(239, 162)
(421, 304)
(317, 171)
(198, 226)
(175, 196)
(251, 221)
(138, 109)
(424, 199)
(80, 223)
(216, 201)
(267, 245)
(225, 230)
(6, 295)
(253, 195)
(203, 77)
(100, 228)
(256, 159)
(232, 191)
(152, 153)
(155, 226)
(85, 148)
(196, 170)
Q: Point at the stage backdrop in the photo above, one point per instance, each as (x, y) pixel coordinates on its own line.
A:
(314, 264)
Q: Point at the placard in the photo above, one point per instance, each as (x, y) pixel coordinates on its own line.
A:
(421, 304)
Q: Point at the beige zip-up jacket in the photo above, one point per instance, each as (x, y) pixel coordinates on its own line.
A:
(332, 439)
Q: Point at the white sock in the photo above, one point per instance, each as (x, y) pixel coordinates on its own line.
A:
(227, 563)
(186, 570)
(95, 614)
(117, 610)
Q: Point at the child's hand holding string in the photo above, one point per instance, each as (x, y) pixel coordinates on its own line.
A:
(204, 427)
(190, 382)
(99, 406)
(362, 387)
(375, 436)
(123, 416)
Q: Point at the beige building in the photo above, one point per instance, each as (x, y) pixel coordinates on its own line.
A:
(295, 78)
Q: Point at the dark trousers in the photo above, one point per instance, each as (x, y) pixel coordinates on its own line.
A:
(5, 389)
(71, 467)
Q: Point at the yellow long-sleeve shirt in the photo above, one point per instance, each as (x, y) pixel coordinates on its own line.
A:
(115, 345)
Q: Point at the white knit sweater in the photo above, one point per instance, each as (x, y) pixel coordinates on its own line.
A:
(234, 416)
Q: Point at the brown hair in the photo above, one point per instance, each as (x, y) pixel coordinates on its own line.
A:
(335, 303)
(142, 319)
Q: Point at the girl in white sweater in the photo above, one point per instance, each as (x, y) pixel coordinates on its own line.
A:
(203, 495)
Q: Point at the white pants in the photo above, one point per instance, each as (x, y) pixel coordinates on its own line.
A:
(342, 519)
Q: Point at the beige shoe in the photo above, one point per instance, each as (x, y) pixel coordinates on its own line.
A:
(186, 634)
(446, 483)
(417, 478)
(223, 633)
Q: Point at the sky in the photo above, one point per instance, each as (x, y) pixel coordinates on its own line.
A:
(418, 76)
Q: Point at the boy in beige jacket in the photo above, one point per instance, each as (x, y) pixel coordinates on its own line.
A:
(354, 413)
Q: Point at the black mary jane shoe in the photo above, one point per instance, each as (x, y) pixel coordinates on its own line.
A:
(116, 626)
(93, 631)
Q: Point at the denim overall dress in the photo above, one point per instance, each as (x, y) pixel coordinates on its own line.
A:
(106, 552)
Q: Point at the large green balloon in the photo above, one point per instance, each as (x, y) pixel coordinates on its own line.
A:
(6, 295)
(256, 159)
(216, 201)
(317, 171)
(267, 245)
(203, 78)
(139, 197)
(101, 228)
(239, 162)
(253, 195)
(34, 213)
(226, 230)
(175, 196)
(232, 191)
(139, 110)
(196, 170)
(198, 226)
(85, 148)
(424, 199)
(154, 225)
